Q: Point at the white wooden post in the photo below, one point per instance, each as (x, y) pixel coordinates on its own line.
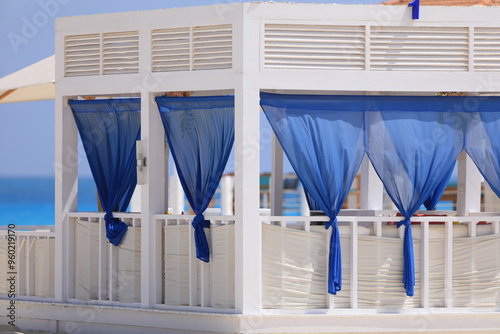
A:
(424, 264)
(66, 197)
(176, 194)
(354, 265)
(304, 207)
(448, 265)
(153, 202)
(469, 186)
(277, 178)
(372, 189)
(166, 185)
(227, 195)
(248, 230)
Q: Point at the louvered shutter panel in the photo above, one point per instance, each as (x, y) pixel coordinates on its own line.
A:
(82, 55)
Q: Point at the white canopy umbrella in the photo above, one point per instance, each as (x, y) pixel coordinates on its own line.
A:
(32, 83)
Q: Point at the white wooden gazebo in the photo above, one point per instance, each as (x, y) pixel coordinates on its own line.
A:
(244, 49)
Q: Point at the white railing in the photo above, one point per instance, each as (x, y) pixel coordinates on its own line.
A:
(111, 275)
(102, 272)
(385, 226)
(190, 284)
(27, 257)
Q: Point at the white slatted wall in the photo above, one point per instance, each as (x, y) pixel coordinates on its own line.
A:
(487, 49)
(192, 49)
(120, 52)
(314, 47)
(108, 53)
(212, 47)
(382, 49)
(82, 55)
(291, 46)
(171, 50)
(417, 48)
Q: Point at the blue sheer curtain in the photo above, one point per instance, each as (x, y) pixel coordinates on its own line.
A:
(412, 151)
(483, 143)
(431, 202)
(322, 137)
(109, 130)
(310, 202)
(200, 134)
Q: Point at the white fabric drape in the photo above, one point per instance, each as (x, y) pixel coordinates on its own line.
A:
(476, 271)
(44, 267)
(294, 268)
(221, 266)
(177, 264)
(87, 263)
(86, 260)
(129, 267)
(42, 282)
(3, 266)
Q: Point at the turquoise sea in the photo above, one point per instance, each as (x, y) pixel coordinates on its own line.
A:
(30, 200)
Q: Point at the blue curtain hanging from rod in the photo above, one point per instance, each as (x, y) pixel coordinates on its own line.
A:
(483, 145)
(412, 141)
(412, 153)
(325, 145)
(431, 202)
(109, 130)
(200, 134)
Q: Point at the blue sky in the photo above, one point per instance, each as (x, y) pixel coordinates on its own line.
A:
(27, 36)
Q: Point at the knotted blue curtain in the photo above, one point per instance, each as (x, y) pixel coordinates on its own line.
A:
(109, 130)
(412, 150)
(483, 142)
(322, 137)
(200, 134)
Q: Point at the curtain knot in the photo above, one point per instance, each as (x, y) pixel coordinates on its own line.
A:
(108, 217)
(406, 222)
(331, 223)
(200, 239)
(115, 229)
(199, 219)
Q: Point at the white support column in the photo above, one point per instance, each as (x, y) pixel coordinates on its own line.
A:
(248, 230)
(66, 197)
(304, 207)
(372, 189)
(176, 194)
(166, 185)
(277, 178)
(354, 265)
(227, 195)
(153, 202)
(424, 264)
(469, 186)
(448, 265)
